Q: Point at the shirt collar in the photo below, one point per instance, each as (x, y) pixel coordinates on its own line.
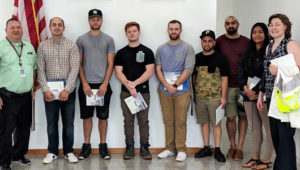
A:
(8, 44)
(60, 41)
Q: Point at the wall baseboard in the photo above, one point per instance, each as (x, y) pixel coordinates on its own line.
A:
(111, 150)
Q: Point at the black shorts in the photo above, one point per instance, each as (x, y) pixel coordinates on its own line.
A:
(88, 111)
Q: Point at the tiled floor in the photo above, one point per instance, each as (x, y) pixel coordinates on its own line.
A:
(117, 162)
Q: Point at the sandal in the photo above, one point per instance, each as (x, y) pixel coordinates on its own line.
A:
(255, 162)
(265, 164)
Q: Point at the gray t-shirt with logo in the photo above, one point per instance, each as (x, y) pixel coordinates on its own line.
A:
(94, 50)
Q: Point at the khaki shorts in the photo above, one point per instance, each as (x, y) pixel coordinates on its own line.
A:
(231, 106)
(206, 111)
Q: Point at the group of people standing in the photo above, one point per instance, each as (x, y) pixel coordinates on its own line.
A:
(219, 76)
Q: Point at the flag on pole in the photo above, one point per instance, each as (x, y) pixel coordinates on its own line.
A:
(33, 21)
(32, 17)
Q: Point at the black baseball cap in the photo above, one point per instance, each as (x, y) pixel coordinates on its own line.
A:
(95, 13)
(208, 33)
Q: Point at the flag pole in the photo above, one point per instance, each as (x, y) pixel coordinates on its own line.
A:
(35, 21)
(38, 38)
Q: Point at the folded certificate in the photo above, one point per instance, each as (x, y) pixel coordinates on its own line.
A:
(171, 77)
(253, 83)
(56, 87)
(219, 114)
(95, 100)
(287, 63)
(136, 104)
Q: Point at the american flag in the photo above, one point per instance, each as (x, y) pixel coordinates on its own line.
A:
(31, 15)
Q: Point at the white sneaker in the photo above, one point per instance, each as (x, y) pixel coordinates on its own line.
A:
(181, 156)
(71, 157)
(49, 158)
(165, 154)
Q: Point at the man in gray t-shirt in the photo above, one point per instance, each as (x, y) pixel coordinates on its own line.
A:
(96, 57)
(175, 62)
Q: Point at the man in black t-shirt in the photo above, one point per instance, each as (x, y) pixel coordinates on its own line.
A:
(134, 66)
(210, 82)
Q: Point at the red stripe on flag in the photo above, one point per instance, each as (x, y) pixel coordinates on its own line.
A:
(31, 23)
(16, 4)
(42, 24)
(38, 5)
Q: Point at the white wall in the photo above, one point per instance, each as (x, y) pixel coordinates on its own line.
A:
(254, 11)
(224, 9)
(153, 15)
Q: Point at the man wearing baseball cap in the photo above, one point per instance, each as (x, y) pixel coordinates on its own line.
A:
(97, 51)
(210, 81)
(231, 45)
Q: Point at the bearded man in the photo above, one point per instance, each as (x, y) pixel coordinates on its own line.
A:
(232, 45)
(176, 58)
(97, 52)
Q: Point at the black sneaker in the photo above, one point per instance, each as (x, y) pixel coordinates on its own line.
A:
(144, 151)
(103, 151)
(129, 153)
(85, 151)
(22, 160)
(206, 151)
(219, 156)
(5, 166)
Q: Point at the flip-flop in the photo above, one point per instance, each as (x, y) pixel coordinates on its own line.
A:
(267, 165)
(251, 160)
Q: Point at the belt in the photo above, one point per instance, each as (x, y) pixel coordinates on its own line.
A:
(9, 94)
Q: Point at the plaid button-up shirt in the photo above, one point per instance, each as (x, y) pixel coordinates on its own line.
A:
(57, 61)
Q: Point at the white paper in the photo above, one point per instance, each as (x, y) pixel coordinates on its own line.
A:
(171, 77)
(136, 104)
(254, 82)
(95, 100)
(288, 63)
(55, 87)
(219, 114)
(284, 61)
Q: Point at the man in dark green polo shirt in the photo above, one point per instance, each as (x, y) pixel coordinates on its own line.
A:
(17, 74)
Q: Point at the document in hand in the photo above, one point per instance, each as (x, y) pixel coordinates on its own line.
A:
(287, 63)
(136, 104)
(253, 83)
(95, 100)
(56, 87)
(171, 77)
(219, 114)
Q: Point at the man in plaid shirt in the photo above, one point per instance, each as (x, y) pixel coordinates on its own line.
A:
(58, 62)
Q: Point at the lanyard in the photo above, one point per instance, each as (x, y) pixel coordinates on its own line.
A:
(19, 54)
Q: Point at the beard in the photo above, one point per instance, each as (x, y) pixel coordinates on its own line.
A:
(231, 30)
(174, 38)
(208, 50)
(95, 28)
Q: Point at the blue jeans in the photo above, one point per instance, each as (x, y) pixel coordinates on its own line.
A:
(67, 109)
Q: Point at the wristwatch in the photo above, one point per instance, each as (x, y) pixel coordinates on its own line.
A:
(175, 85)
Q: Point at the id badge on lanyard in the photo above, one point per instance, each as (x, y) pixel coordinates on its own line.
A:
(22, 72)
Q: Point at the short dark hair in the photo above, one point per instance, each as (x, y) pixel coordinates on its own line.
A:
(12, 19)
(285, 20)
(63, 22)
(131, 24)
(174, 22)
